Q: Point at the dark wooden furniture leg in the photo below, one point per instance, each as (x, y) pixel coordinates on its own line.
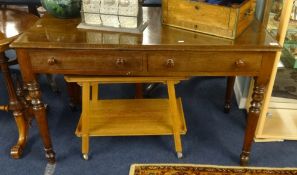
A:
(32, 8)
(17, 109)
(51, 80)
(229, 94)
(252, 120)
(261, 81)
(150, 88)
(139, 90)
(38, 107)
(74, 93)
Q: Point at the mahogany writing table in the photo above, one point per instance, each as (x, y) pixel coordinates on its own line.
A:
(57, 46)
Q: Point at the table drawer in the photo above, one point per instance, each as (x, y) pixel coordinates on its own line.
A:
(204, 62)
(88, 61)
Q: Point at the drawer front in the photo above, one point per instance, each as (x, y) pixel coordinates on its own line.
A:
(204, 62)
(86, 61)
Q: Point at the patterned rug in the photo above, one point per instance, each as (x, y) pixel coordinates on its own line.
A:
(191, 169)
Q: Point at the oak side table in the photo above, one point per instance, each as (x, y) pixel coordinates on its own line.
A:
(129, 117)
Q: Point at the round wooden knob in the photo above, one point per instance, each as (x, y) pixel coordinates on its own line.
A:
(249, 12)
(51, 61)
(239, 63)
(120, 62)
(170, 63)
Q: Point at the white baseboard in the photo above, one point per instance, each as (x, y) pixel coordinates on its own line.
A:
(240, 92)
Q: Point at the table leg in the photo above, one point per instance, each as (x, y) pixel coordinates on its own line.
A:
(41, 119)
(37, 107)
(17, 109)
(139, 90)
(33, 9)
(229, 94)
(252, 119)
(85, 119)
(175, 118)
(74, 93)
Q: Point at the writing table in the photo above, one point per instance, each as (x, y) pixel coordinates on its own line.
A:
(57, 46)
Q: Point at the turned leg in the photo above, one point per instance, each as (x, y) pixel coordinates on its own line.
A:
(4, 108)
(16, 107)
(52, 82)
(229, 94)
(33, 9)
(150, 88)
(74, 93)
(253, 116)
(138, 90)
(24, 98)
(41, 119)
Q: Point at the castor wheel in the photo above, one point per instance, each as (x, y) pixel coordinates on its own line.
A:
(16, 151)
(227, 108)
(179, 155)
(86, 156)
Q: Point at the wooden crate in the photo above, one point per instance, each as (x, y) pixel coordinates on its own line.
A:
(223, 21)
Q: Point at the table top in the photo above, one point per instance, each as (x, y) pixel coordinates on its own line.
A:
(54, 33)
(12, 23)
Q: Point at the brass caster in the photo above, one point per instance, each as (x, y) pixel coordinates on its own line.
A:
(244, 158)
(179, 155)
(227, 108)
(16, 151)
(86, 156)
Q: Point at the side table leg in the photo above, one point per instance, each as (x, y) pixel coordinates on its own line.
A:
(253, 116)
(175, 118)
(138, 90)
(18, 110)
(74, 93)
(85, 119)
(41, 119)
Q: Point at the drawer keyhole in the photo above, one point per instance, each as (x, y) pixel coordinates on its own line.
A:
(51, 61)
(120, 62)
(170, 63)
(240, 63)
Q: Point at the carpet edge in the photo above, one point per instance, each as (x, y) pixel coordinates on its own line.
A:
(132, 167)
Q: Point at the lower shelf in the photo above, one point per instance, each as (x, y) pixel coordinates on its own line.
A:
(132, 117)
(281, 125)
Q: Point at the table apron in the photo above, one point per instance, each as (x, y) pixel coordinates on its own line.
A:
(146, 63)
